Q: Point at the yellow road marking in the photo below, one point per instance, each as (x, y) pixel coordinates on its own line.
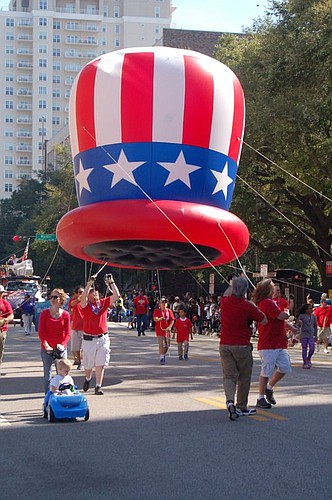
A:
(255, 417)
(271, 415)
(261, 416)
(261, 412)
(210, 402)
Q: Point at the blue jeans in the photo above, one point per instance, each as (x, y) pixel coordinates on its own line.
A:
(48, 363)
(141, 323)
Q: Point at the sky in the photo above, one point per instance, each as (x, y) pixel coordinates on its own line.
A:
(211, 15)
(217, 15)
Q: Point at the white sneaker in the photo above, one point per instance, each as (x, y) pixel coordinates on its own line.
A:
(247, 412)
(326, 351)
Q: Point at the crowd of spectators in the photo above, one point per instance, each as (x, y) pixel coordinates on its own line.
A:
(203, 312)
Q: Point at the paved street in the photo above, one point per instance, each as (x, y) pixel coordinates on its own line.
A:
(162, 431)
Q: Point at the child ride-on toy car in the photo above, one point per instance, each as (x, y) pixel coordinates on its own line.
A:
(67, 403)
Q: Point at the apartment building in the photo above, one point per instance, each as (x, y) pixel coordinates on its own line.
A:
(44, 44)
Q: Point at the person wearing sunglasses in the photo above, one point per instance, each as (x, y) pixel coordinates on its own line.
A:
(279, 299)
(54, 332)
(96, 341)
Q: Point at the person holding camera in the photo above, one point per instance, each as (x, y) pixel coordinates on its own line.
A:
(96, 341)
(54, 333)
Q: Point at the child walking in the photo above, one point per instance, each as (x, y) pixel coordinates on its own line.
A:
(306, 321)
(183, 328)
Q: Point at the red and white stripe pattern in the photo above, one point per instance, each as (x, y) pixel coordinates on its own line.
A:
(157, 94)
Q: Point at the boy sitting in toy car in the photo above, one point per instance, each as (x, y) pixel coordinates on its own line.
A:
(63, 400)
(63, 383)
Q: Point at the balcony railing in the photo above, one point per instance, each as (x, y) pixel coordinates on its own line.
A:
(72, 10)
(79, 41)
(21, 148)
(24, 38)
(25, 163)
(25, 65)
(24, 79)
(24, 106)
(25, 134)
(24, 93)
(81, 27)
(25, 23)
(73, 67)
(79, 55)
(24, 175)
(24, 52)
(24, 120)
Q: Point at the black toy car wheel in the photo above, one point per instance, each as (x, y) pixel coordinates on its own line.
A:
(44, 411)
(50, 415)
(87, 415)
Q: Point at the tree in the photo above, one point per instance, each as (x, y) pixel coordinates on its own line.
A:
(285, 66)
(64, 269)
(18, 209)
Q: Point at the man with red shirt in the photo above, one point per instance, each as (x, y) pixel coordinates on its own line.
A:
(6, 316)
(141, 307)
(279, 300)
(235, 347)
(96, 342)
(272, 343)
(323, 315)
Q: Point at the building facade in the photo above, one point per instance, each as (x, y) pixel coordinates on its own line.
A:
(205, 42)
(44, 44)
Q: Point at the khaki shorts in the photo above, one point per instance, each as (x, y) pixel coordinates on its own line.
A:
(163, 341)
(96, 352)
(272, 358)
(76, 338)
(323, 333)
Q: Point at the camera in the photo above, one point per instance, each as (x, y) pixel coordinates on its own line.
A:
(58, 352)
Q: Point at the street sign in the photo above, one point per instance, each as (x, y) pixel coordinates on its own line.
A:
(211, 284)
(45, 237)
(271, 274)
(264, 270)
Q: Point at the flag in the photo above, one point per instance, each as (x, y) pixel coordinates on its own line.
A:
(25, 253)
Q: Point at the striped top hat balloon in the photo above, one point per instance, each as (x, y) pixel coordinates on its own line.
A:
(156, 136)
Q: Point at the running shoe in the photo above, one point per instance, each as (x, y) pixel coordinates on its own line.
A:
(246, 412)
(233, 415)
(270, 396)
(262, 403)
(86, 385)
